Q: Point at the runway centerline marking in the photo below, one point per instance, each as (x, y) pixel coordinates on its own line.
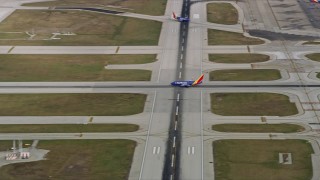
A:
(174, 141)
(182, 48)
(172, 160)
(177, 110)
(180, 75)
(175, 127)
(178, 97)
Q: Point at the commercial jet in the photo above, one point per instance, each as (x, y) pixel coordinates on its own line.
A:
(180, 19)
(315, 1)
(188, 83)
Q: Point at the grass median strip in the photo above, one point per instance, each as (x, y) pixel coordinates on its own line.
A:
(314, 56)
(217, 37)
(24, 68)
(100, 104)
(66, 128)
(77, 159)
(252, 104)
(258, 128)
(90, 29)
(245, 75)
(222, 13)
(259, 159)
(238, 58)
(311, 43)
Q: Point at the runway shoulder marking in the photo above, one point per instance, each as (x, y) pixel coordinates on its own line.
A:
(191, 150)
(156, 150)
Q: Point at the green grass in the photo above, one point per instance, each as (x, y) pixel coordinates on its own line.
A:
(156, 8)
(13, 36)
(238, 58)
(66, 128)
(91, 29)
(258, 128)
(26, 68)
(314, 56)
(245, 75)
(252, 104)
(77, 159)
(217, 37)
(222, 13)
(100, 104)
(311, 43)
(258, 159)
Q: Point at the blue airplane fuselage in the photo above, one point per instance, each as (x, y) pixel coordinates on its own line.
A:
(182, 19)
(182, 83)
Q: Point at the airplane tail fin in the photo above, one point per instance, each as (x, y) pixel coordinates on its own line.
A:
(198, 81)
(174, 15)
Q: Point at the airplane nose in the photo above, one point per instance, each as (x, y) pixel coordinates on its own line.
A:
(172, 83)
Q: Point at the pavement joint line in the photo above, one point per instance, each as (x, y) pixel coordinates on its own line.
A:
(148, 134)
(9, 51)
(172, 161)
(201, 132)
(117, 50)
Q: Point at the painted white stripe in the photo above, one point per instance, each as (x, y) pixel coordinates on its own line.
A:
(177, 110)
(171, 177)
(178, 97)
(182, 48)
(175, 125)
(182, 40)
(174, 141)
(179, 75)
(192, 150)
(154, 150)
(172, 160)
(158, 150)
(181, 56)
(188, 149)
(180, 65)
(183, 33)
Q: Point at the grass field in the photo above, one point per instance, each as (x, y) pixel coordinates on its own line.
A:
(222, 13)
(314, 56)
(13, 36)
(100, 104)
(217, 37)
(258, 159)
(66, 128)
(77, 159)
(258, 128)
(26, 68)
(252, 104)
(238, 58)
(156, 8)
(108, 30)
(245, 75)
